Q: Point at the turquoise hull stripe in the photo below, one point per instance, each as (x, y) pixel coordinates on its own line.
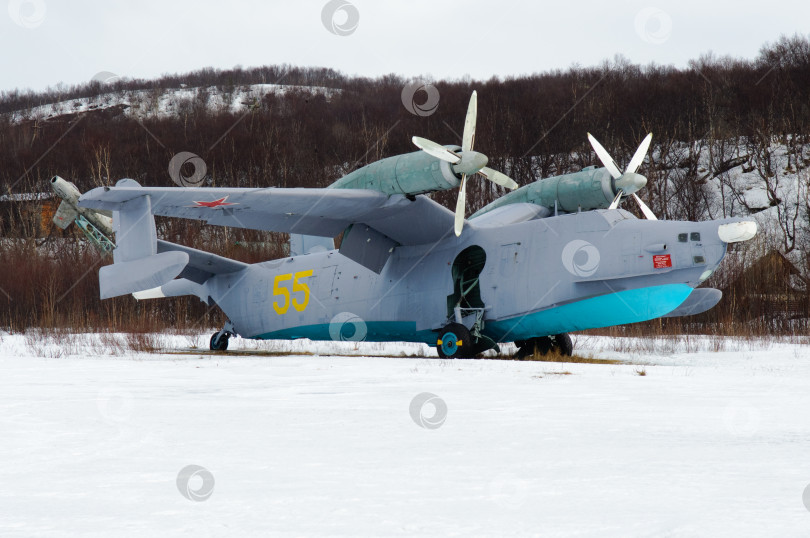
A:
(618, 308)
(630, 306)
(377, 331)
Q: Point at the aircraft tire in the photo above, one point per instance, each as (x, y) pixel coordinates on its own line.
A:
(220, 344)
(527, 348)
(455, 342)
(563, 344)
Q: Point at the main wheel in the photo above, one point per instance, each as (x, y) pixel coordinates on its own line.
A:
(563, 344)
(218, 343)
(532, 346)
(455, 342)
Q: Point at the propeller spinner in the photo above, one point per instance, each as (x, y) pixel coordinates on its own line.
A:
(467, 162)
(629, 182)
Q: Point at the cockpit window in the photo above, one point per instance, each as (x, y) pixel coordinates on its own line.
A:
(683, 238)
(695, 236)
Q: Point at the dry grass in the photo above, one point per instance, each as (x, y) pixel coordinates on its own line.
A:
(58, 343)
(142, 342)
(52, 343)
(235, 353)
(555, 356)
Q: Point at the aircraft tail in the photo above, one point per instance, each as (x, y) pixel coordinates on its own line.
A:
(137, 264)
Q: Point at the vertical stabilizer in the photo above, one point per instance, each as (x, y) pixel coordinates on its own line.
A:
(134, 226)
(137, 266)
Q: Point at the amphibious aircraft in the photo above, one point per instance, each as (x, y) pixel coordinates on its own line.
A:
(552, 257)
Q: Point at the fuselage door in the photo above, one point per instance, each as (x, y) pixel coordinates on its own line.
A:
(510, 257)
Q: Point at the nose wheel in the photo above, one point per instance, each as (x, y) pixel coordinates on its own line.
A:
(455, 342)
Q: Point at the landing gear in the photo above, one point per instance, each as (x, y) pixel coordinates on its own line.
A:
(455, 342)
(219, 340)
(464, 338)
(533, 346)
(561, 343)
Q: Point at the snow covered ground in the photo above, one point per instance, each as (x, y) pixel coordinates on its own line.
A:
(166, 103)
(712, 441)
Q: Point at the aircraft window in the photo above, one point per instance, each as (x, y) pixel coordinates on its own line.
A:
(695, 236)
(698, 259)
(683, 237)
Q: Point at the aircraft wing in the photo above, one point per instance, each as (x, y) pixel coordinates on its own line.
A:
(319, 212)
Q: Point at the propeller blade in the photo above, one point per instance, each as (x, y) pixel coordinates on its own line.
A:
(468, 139)
(641, 152)
(499, 178)
(432, 148)
(605, 157)
(644, 209)
(615, 203)
(461, 205)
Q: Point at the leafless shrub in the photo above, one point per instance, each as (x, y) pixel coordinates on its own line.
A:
(142, 342)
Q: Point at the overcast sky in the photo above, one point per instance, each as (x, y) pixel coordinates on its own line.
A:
(45, 42)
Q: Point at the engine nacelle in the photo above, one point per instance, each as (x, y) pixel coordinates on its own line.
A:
(590, 188)
(411, 173)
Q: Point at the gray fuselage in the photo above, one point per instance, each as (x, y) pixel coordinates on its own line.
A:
(540, 277)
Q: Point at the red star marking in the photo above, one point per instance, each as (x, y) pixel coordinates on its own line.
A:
(214, 203)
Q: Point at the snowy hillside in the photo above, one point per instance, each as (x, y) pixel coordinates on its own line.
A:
(166, 103)
(705, 443)
(706, 179)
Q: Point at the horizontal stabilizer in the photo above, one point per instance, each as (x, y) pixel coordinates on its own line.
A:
(123, 278)
(175, 288)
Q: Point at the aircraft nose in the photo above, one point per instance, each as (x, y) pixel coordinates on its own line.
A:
(737, 231)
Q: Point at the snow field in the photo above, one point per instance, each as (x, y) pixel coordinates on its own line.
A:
(707, 443)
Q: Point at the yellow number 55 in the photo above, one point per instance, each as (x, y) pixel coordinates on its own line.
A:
(281, 308)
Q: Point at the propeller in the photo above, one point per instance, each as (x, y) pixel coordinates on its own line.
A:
(629, 182)
(467, 162)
